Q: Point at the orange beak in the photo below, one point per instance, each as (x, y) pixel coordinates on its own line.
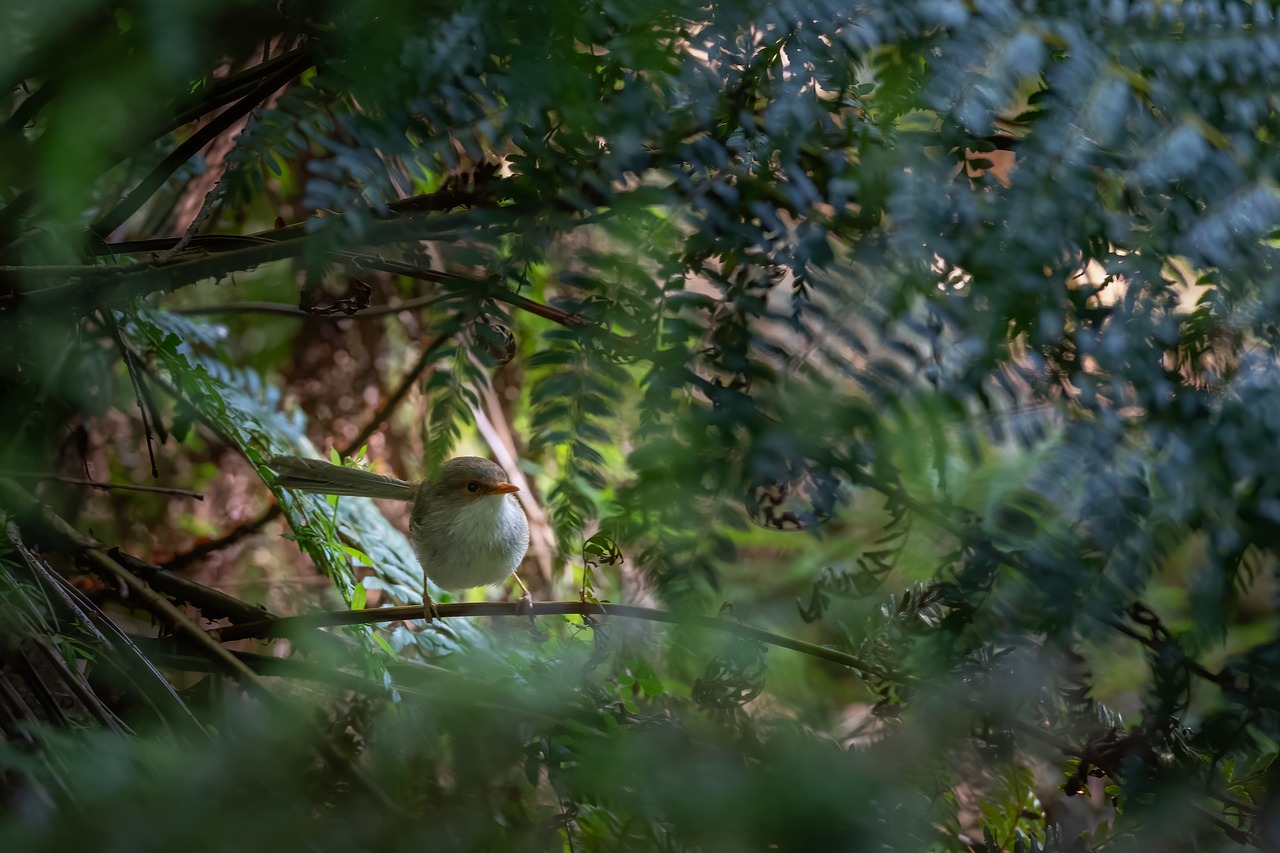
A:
(503, 489)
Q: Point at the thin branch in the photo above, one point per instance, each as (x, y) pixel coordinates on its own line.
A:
(211, 199)
(109, 318)
(171, 657)
(191, 146)
(398, 395)
(440, 201)
(282, 626)
(181, 561)
(26, 112)
(126, 658)
(231, 537)
(1222, 679)
(231, 89)
(157, 422)
(106, 487)
(934, 516)
(284, 310)
(491, 287)
(212, 603)
(201, 551)
(67, 288)
(1237, 834)
(412, 208)
(53, 529)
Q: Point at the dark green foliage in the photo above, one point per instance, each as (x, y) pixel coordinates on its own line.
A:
(975, 301)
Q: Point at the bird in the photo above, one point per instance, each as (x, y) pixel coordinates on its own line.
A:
(466, 526)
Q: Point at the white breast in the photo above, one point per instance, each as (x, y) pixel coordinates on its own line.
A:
(482, 546)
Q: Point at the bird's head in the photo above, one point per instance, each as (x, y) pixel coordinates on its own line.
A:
(464, 479)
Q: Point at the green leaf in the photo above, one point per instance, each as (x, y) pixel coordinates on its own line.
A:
(189, 353)
(356, 554)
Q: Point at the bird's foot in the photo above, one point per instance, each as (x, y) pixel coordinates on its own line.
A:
(429, 610)
(524, 606)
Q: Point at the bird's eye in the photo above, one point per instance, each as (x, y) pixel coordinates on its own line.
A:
(473, 487)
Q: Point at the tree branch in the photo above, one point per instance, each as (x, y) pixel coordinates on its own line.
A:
(109, 318)
(285, 625)
(212, 603)
(125, 658)
(232, 88)
(231, 537)
(284, 310)
(61, 535)
(77, 288)
(117, 216)
(97, 484)
(398, 395)
(280, 627)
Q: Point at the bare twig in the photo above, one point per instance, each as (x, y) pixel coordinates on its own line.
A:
(218, 155)
(211, 199)
(440, 201)
(117, 216)
(212, 604)
(229, 89)
(283, 310)
(109, 318)
(279, 627)
(52, 528)
(64, 289)
(30, 107)
(61, 535)
(398, 395)
(126, 658)
(491, 288)
(231, 537)
(97, 484)
(76, 287)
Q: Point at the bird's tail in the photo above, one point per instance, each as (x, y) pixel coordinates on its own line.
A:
(312, 475)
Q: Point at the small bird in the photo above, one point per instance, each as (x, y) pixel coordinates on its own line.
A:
(466, 526)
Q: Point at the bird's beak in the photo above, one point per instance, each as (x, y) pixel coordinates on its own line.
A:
(503, 489)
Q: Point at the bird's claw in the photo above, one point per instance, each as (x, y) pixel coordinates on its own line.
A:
(524, 607)
(429, 610)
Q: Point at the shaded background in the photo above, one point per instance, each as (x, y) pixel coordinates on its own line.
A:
(938, 339)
